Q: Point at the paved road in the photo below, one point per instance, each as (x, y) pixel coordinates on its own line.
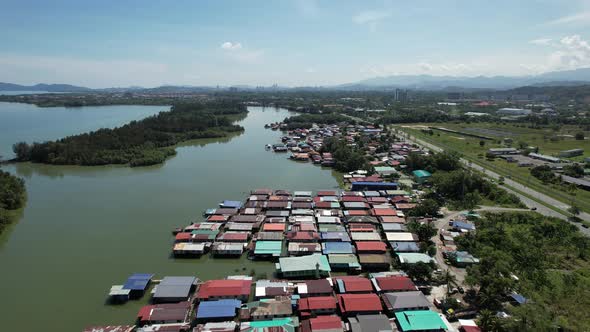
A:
(530, 203)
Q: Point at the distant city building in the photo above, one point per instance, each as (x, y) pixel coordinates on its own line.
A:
(476, 114)
(513, 111)
(401, 95)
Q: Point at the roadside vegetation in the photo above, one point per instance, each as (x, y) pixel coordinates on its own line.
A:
(547, 260)
(455, 186)
(12, 197)
(546, 140)
(146, 142)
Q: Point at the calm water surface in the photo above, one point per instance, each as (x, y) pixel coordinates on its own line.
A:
(86, 228)
(29, 123)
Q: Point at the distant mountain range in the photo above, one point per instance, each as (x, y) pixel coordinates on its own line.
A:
(416, 82)
(429, 82)
(43, 87)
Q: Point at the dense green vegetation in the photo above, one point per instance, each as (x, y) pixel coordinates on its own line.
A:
(549, 257)
(346, 158)
(138, 143)
(12, 196)
(456, 186)
(307, 120)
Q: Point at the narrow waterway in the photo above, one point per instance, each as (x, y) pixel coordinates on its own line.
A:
(86, 228)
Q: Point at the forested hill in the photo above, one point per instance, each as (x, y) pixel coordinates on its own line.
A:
(139, 143)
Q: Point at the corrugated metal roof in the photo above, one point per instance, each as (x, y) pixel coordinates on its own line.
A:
(218, 309)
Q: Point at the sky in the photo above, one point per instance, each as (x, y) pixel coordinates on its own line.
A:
(149, 43)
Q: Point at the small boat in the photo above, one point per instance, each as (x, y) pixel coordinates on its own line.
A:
(267, 126)
(268, 146)
(177, 230)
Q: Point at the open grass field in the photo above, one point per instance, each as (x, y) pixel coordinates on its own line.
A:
(548, 140)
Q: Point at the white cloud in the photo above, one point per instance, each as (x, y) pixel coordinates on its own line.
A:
(371, 18)
(541, 41)
(580, 18)
(572, 52)
(229, 46)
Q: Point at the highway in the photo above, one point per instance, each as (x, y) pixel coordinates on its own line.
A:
(530, 203)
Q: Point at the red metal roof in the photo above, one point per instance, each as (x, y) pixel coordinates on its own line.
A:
(317, 303)
(361, 227)
(278, 227)
(233, 236)
(370, 246)
(320, 323)
(470, 329)
(392, 219)
(359, 303)
(224, 288)
(354, 284)
(182, 237)
(218, 217)
(377, 199)
(327, 193)
(353, 199)
(357, 212)
(384, 212)
(395, 284)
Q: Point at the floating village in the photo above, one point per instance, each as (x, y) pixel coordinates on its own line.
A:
(343, 259)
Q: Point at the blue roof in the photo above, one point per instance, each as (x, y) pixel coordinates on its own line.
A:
(231, 204)
(337, 248)
(404, 246)
(138, 281)
(463, 225)
(218, 309)
(518, 298)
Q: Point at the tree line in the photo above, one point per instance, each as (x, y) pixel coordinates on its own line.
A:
(455, 185)
(12, 196)
(146, 142)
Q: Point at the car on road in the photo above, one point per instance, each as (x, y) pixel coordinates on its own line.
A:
(534, 208)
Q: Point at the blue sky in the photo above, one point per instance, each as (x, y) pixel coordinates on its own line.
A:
(288, 42)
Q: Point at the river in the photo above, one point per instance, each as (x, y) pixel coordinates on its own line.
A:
(87, 228)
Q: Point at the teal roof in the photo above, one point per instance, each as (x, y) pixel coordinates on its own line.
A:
(304, 263)
(287, 324)
(421, 173)
(419, 320)
(268, 247)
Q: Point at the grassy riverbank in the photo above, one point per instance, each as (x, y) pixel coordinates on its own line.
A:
(139, 143)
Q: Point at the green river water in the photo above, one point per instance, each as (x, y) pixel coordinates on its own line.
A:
(87, 228)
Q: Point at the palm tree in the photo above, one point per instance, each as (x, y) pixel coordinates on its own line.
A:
(449, 279)
(488, 322)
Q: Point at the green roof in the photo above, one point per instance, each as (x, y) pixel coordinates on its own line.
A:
(384, 169)
(304, 263)
(421, 173)
(268, 247)
(349, 259)
(397, 192)
(419, 320)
